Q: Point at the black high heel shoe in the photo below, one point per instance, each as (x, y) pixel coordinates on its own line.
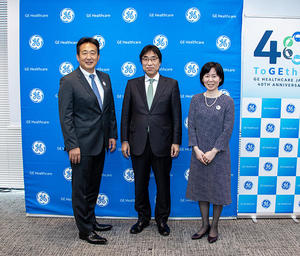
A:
(199, 236)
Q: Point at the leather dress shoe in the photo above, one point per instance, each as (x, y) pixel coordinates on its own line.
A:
(199, 236)
(212, 239)
(92, 238)
(138, 227)
(163, 229)
(102, 227)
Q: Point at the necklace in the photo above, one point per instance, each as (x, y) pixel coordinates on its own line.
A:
(205, 99)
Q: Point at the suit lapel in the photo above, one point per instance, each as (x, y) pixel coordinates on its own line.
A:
(159, 91)
(142, 91)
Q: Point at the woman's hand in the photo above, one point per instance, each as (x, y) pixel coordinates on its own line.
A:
(199, 154)
(210, 155)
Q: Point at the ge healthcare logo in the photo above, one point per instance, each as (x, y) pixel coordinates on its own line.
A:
(128, 69)
(270, 128)
(288, 147)
(223, 43)
(102, 200)
(192, 15)
(286, 185)
(266, 203)
(191, 69)
(36, 42)
(66, 68)
(129, 175)
(129, 15)
(101, 41)
(248, 185)
(187, 174)
(36, 95)
(251, 107)
(67, 15)
(223, 91)
(38, 147)
(68, 174)
(268, 166)
(290, 108)
(160, 41)
(250, 147)
(186, 123)
(42, 198)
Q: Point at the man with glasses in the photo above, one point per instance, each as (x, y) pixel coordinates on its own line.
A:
(151, 135)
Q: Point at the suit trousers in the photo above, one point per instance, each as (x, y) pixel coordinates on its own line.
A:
(86, 177)
(161, 167)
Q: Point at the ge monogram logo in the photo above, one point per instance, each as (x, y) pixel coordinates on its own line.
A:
(102, 200)
(266, 203)
(129, 175)
(129, 15)
(223, 43)
(67, 15)
(270, 128)
(288, 147)
(250, 147)
(187, 174)
(223, 91)
(38, 147)
(251, 107)
(68, 174)
(43, 198)
(128, 69)
(186, 123)
(286, 185)
(268, 166)
(66, 68)
(290, 108)
(160, 41)
(36, 95)
(191, 69)
(248, 185)
(36, 42)
(101, 41)
(192, 15)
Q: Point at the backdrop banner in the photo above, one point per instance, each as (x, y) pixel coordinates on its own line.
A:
(189, 34)
(269, 182)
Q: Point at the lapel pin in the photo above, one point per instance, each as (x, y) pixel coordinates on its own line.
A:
(218, 107)
(104, 84)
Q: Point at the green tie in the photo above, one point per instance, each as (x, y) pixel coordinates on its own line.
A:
(150, 92)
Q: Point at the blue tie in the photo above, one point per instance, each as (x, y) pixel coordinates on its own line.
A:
(96, 91)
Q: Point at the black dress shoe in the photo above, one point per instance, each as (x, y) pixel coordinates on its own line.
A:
(102, 227)
(92, 238)
(138, 227)
(212, 239)
(163, 229)
(199, 236)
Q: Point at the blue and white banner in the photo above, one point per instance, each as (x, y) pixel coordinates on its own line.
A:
(189, 34)
(269, 181)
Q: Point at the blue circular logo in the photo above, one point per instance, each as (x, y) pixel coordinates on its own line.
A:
(66, 68)
(102, 200)
(250, 147)
(129, 175)
(286, 185)
(191, 69)
(248, 185)
(192, 15)
(268, 166)
(36, 95)
(67, 15)
(186, 123)
(266, 203)
(68, 174)
(129, 15)
(128, 69)
(251, 107)
(42, 198)
(38, 147)
(288, 147)
(36, 42)
(101, 41)
(223, 43)
(290, 108)
(223, 91)
(160, 41)
(270, 128)
(187, 174)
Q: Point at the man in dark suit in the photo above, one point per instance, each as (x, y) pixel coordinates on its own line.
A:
(151, 135)
(88, 123)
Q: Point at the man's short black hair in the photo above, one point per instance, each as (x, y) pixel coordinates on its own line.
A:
(84, 40)
(153, 48)
(208, 66)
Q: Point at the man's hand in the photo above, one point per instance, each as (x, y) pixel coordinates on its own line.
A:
(112, 144)
(125, 149)
(74, 155)
(174, 150)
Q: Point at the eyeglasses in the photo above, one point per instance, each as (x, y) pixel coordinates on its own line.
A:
(152, 59)
(91, 53)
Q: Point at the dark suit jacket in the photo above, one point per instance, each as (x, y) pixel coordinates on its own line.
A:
(163, 118)
(83, 123)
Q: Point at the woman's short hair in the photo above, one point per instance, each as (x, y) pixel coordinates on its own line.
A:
(208, 66)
